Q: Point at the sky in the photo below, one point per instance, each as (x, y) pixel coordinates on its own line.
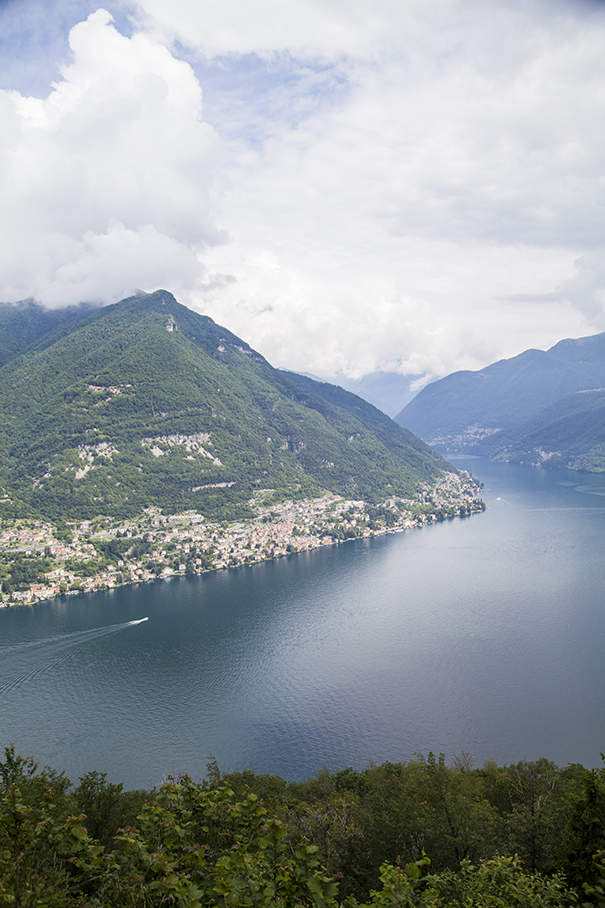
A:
(399, 186)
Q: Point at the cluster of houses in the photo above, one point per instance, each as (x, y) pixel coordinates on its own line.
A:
(187, 543)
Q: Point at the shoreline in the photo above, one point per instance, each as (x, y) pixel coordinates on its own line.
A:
(103, 554)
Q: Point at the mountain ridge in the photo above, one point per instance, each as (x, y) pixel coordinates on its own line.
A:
(524, 409)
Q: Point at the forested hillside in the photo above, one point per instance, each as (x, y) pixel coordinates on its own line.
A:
(146, 403)
(419, 833)
(568, 434)
(25, 323)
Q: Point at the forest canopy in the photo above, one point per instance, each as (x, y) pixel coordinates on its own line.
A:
(421, 833)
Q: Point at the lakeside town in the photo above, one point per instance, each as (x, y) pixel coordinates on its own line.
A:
(39, 561)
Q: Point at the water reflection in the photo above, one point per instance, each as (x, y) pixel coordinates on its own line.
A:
(481, 634)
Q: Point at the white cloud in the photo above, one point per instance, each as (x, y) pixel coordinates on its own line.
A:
(107, 183)
(300, 27)
(450, 157)
(459, 169)
(424, 309)
(586, 289)
(406, 186)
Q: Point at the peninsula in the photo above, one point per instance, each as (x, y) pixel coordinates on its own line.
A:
(40, 561)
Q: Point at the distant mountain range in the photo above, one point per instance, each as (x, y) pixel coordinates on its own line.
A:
(541, 407)
(146, 403)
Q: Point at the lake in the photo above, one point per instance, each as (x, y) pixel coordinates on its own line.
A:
(482, 634)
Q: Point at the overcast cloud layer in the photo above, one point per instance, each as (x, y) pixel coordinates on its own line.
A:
(352, 187)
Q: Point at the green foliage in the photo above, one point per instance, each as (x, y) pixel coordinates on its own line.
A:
(501, 882)
(541, 798)
(586, 832)
(18, 570)
(202, 846)
(214, 844)
(596, 892)
(36, 850)
(454, 813)
(22, 773)
(107, 806)
(114, 549)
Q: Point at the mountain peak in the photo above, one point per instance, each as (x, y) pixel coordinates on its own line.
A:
(147, 403)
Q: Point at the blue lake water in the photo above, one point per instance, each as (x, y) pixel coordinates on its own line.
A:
(484, 634)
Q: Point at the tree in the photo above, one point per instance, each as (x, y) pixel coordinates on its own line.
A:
(540, 796)
(107, 806)
(586, 833)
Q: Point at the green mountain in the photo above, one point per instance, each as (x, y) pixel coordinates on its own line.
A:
(458, 409)
(146, 403)
(385, 429)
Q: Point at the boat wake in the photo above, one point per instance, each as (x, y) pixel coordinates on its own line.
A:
(54, 651)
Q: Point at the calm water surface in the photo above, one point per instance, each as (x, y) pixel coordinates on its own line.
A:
(484, 634)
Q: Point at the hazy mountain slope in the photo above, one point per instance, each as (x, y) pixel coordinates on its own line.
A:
(568, 434)
(387, 391)
(506, 392)
(148, 403)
